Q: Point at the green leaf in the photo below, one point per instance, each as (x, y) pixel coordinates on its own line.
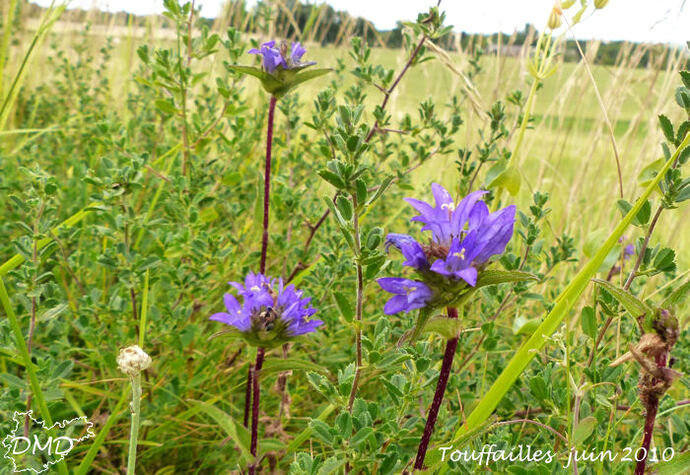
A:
(306, 433)
(685, 77)
(237, 432)
(522, 325)
(523, 356)
(446, 327)
(678, 464)
(583, 430)
(332, 178)
(345, 207)
(588, 321)
(538, 388)
(494, 277)
(632, 304)
(677, 296)
(649, 172)
(308, 75)
(382, 187)
(642, 217)
(53, 312)
(322, 431)
(667, 128)
(331, 465)
(362, 435)
(343, 304)
(509, 180)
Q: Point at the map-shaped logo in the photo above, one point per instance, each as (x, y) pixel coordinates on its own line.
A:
(37, 447)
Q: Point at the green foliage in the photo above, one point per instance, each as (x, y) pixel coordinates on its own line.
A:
(129, 206)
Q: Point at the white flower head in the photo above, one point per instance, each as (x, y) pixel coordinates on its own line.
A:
(133, 360)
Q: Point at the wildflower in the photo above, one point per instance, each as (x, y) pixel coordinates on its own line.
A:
(408, 294)
(270, 313)
(282, 67)
(464, 237)
(133, 360)
(628, 251)
(274, 57)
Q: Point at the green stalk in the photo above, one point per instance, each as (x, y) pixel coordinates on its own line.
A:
(47, 22)
(564, 303)
(4, 47)
(134, 432)
(24, 352)
(144, 310)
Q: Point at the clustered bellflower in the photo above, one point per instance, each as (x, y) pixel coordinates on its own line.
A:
(463, 239)
(273, 56)
(270, 313)
(282, 68)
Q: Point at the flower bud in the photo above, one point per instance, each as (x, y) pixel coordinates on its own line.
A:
(554, 18)
(599, 4)
(133, 360)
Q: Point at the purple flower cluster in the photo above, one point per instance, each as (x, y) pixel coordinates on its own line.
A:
(267, 307)
(464, 237)
(278, 56)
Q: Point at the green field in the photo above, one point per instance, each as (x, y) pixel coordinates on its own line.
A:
(150, 149)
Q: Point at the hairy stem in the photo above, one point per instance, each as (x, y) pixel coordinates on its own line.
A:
(255, 406)
(451, 346)
(267, 181)
(134, 432)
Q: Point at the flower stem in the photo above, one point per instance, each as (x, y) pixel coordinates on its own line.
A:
(264, 249)
(255, 406)
(451, 346)
(267, 181)
(134, 432)
(651, 404)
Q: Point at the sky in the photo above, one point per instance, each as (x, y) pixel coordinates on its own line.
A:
(655, 21)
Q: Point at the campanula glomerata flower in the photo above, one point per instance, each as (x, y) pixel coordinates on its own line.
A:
(408, 294)
(273, 56)
(270, 312)
(463, 239)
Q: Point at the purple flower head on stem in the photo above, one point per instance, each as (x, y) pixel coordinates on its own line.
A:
(407, 294)
(270, 313)
(271, 56)
(275, 56)
(488, 237)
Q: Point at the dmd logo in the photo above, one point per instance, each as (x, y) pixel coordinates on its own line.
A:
(39, 449)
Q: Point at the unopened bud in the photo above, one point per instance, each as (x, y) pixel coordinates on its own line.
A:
(554, 18)
(599, 4)
(133, 360)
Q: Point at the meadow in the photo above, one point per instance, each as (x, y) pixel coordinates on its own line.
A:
(133, 176)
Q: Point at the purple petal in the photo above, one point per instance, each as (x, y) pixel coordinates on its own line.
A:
(461, 214)
(396, 304)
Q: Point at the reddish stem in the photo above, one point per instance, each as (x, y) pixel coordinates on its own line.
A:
(451, 346)
(255, 406)
(651, 407)
(267, 181)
